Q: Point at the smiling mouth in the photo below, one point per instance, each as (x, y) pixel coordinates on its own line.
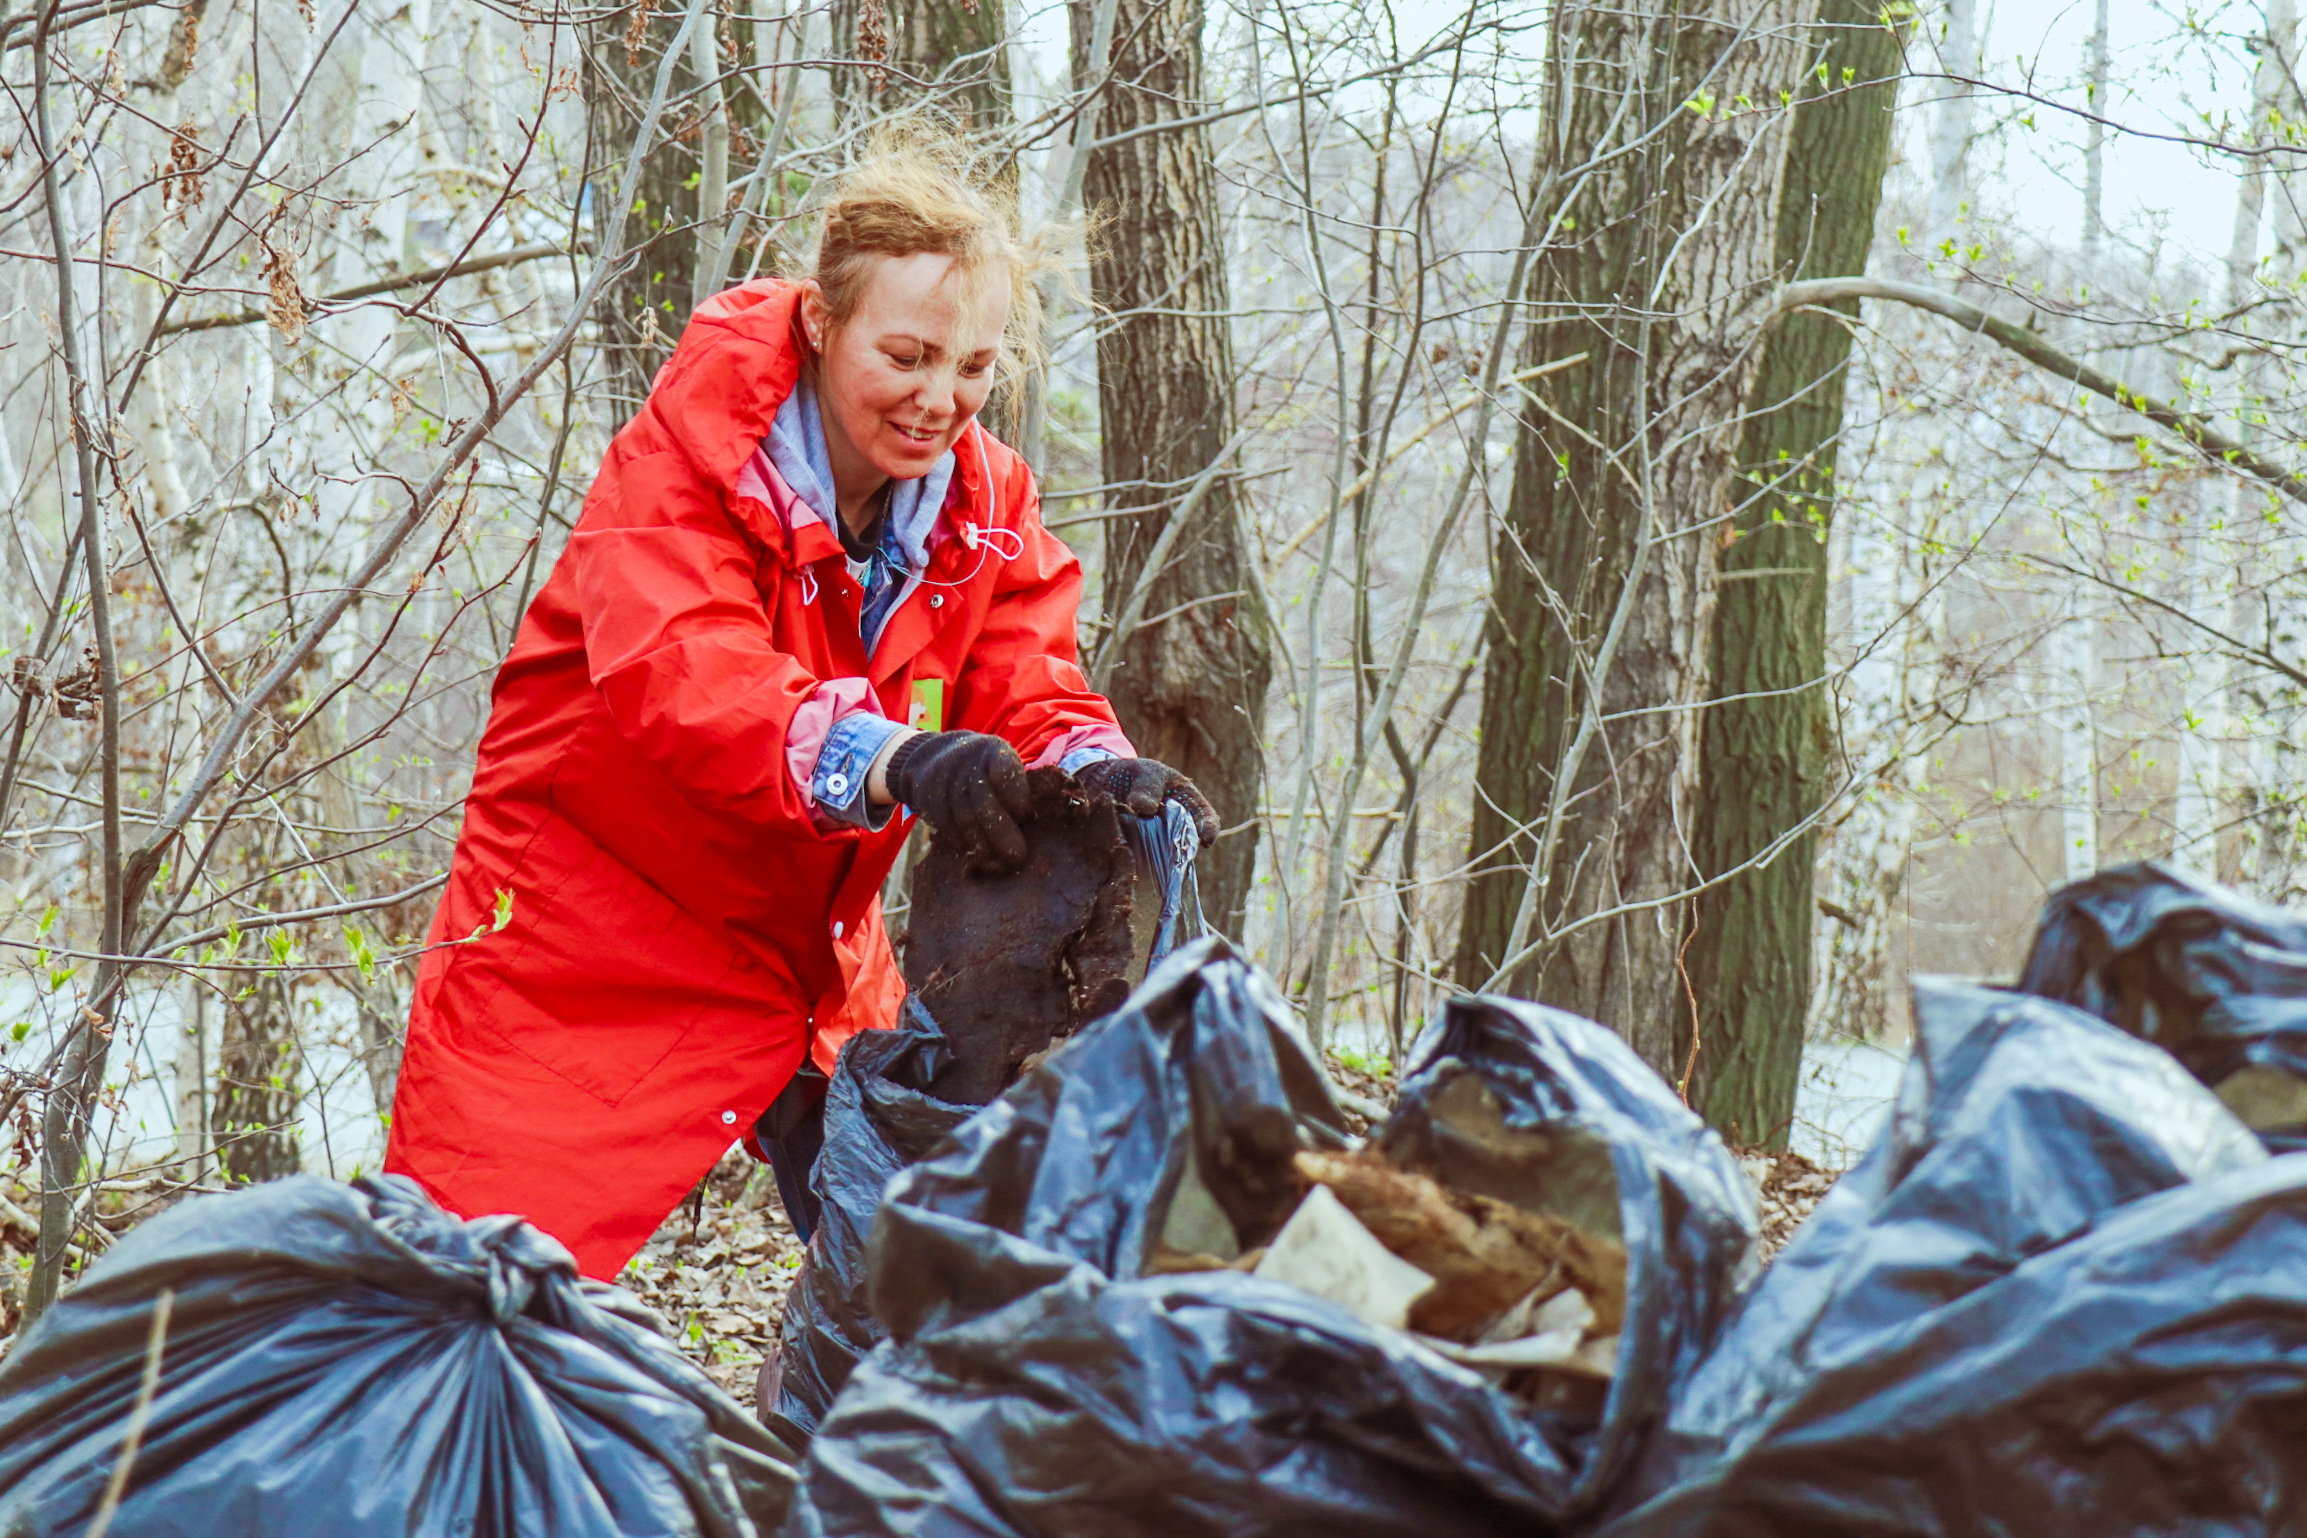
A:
(913, 434)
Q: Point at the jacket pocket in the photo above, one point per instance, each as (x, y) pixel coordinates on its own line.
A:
(598, 977)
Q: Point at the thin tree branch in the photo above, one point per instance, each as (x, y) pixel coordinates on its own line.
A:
(2191, 427)
(1109, 650)
(138, 1415)
(512, 258)
(65, 1117)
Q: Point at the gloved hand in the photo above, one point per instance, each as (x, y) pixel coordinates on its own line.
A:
(1141, 785)
(967, 784)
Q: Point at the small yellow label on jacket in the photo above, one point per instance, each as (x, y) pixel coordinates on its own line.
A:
(928, 713)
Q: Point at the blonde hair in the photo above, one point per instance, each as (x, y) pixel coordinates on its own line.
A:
(914, 192)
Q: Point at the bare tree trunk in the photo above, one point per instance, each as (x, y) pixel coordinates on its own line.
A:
(1190, 682)
(72, 1099)
(956, 52)
(1951, 126)
(2221, 555)
(254, 1116)
(641, 313)
(2095, 147)
(1604, 563)
(1763, 769)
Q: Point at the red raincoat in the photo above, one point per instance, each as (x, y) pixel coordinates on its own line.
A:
(683, 927)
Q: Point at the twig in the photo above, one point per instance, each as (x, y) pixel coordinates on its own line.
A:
(1354, 488)
(1109, 651)
(142, 1412)
(2236, 647)
(2190, 427)
(512, 258)
(421, 501)
(64, 1119)
(67, 17)
(1536, 227)
(228, 210)
(256, 921)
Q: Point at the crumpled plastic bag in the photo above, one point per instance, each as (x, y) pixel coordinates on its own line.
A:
(2216, 979)
(879, 1118)
(1038, 1382)
(2050, 1299)
(344, 1361)
(882, 1113)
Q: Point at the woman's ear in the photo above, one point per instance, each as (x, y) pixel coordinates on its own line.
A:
(816, 319)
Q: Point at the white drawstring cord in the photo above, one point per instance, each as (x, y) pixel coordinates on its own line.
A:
(973, 537)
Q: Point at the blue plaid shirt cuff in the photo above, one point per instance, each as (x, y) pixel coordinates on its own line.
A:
(1073, 761)
(838, 782)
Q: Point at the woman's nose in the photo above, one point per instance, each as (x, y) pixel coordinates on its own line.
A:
(935, 394)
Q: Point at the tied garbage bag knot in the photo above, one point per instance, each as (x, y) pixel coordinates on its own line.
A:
(347, 1360)
(502, 1257)
(1155, 1288)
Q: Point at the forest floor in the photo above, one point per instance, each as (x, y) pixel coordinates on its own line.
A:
(717, 1272)
(1791, 1188)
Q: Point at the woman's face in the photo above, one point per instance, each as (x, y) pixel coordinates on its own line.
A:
(900, 379)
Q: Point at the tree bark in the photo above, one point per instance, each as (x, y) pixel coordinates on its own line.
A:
(1666, 159)
(641, 312)
(948, 53)
(1763, 754)
(254, 1120)
(959, 44)
(1189, 683)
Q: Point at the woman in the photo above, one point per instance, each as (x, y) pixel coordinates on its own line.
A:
(807, 588)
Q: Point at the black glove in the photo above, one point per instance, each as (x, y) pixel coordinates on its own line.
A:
(967, 784)
(1141, 785)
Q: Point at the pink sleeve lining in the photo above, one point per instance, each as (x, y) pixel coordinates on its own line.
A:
(805, 737)
(1095, 735)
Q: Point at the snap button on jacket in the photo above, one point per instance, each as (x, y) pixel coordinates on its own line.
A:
(682, 931)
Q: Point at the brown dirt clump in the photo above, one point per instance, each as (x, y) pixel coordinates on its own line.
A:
(1008, 964)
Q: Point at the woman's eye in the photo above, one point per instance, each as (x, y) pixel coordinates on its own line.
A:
(973, 370)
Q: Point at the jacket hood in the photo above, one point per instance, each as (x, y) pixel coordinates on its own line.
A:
(736, 363)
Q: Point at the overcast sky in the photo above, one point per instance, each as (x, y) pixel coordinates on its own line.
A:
(2166, 77)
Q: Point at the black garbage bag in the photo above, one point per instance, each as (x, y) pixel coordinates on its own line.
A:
(2050, 1299)
(879, 1118)
(1039, 1381)
(895, 1094)
(349, 1361)
(2148, 1378)
(2214, 978)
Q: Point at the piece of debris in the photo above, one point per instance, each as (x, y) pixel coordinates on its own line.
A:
(1486, 1256)
(1790, 1188)
(1325, 1250)
(1007, 965)
(1558, 1334)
